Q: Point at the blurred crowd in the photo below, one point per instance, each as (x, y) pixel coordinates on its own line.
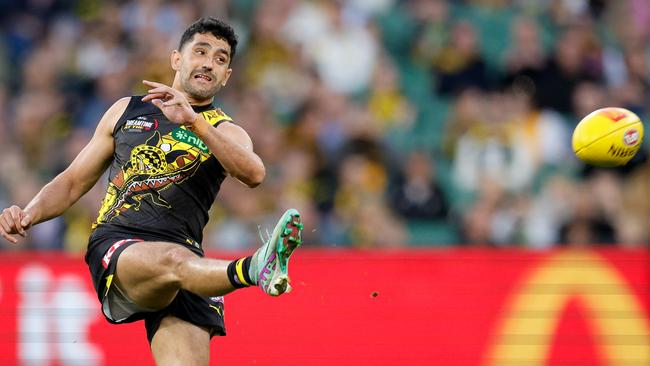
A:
(388, 123)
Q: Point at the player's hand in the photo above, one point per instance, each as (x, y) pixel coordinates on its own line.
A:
(171, 102)
(14, 220)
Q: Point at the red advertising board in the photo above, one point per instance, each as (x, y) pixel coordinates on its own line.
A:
(451, 307)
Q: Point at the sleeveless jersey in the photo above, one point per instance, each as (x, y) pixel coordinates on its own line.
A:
(163, 178)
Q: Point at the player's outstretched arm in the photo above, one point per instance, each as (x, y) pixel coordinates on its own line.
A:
(229, 143)
(66, 188)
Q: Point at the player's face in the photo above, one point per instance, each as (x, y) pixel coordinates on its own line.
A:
(203, 65)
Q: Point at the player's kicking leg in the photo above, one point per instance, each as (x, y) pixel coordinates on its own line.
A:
(151, 273)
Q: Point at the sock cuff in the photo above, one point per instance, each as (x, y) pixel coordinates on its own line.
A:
(238, 273)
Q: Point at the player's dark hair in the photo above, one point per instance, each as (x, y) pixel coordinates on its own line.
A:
(213, 26)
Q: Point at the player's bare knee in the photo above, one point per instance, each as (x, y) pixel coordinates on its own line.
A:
(174, 260)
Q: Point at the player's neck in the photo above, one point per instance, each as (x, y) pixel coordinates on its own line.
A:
(197, 102)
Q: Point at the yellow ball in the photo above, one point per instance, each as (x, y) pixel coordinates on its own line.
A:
(608, 137)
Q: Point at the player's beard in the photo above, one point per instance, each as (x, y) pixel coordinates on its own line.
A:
(197, 92)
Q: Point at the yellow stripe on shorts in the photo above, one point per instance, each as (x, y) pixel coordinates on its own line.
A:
(109, 280)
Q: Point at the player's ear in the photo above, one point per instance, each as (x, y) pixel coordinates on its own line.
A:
(176, 60)
(225, 80)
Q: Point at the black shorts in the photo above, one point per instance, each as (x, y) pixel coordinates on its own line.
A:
(103, 252)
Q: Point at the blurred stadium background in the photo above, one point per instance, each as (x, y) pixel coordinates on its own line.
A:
(389, 123)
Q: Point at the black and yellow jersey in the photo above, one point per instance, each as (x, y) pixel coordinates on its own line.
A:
(162, 180)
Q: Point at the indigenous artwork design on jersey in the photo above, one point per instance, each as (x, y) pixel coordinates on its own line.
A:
(153, 167)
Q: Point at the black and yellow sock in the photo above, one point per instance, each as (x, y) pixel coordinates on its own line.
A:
(238, 272)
